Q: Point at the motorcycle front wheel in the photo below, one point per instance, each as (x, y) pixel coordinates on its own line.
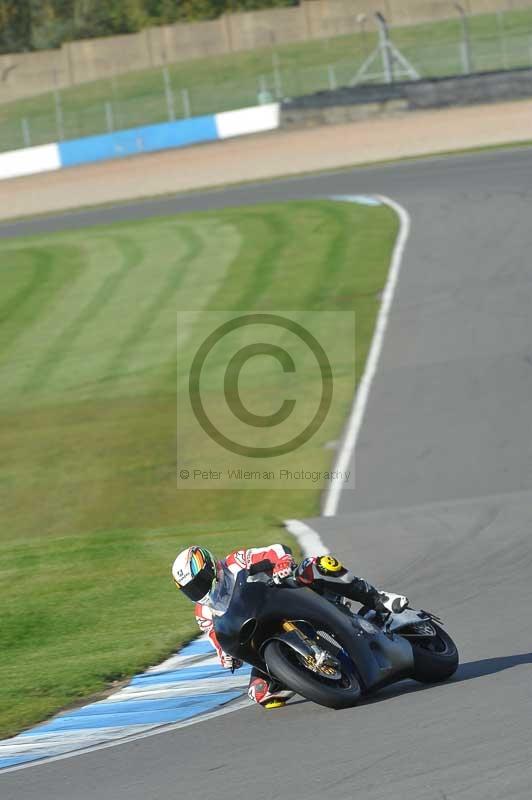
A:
(285, 665)
(435, 658)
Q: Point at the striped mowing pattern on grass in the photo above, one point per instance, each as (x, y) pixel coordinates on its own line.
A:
(111, 313)
(91, 518)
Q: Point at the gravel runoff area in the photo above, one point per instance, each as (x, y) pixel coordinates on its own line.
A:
(266, 156)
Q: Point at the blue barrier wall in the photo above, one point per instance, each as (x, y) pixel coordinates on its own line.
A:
(146, 139)
(138, 140)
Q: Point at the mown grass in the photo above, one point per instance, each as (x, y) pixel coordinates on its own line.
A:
(84, 611)
(226, 82)
(91, 516)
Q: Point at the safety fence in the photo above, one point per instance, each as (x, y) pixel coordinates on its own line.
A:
(175, 92)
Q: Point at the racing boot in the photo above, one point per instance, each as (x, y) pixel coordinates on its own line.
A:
(268, 693)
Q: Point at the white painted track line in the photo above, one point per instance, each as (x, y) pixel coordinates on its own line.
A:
(356, 415)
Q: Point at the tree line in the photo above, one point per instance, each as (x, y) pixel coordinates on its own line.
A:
(41, 24)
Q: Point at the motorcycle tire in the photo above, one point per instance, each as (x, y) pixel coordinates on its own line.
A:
(435, 659)
(279, 658)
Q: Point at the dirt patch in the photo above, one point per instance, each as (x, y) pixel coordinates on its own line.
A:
(267, 156)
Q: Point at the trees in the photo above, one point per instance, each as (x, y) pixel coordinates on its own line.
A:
(42, 24)
(15, 25)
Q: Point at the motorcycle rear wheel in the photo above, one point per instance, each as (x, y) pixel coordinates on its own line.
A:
(435, 659)
(282, 663)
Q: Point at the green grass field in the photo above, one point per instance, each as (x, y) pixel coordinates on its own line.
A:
(223, 83)
(91, 516)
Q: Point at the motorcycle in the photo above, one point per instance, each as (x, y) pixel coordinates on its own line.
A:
(317, 647)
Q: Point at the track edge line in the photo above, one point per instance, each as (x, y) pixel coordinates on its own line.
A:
(354, 422)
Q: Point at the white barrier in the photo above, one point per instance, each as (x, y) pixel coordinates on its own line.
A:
(248, 120)
(29, 161)
(47, 157)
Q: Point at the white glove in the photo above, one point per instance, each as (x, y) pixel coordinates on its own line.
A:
(395, 603)
(228, 662)
(283, 568)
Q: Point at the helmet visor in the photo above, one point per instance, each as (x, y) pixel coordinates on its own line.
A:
(200, 585)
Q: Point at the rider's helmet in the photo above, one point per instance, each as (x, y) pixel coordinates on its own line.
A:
(194, 572)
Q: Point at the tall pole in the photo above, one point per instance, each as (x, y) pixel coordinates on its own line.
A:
(277, 78)
(59, 119)
(169, 95)
(466, 41)
(109, 116)
(385, 48)
(185, 96)
(26, 135)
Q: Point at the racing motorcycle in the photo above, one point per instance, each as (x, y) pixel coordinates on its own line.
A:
(317, 647)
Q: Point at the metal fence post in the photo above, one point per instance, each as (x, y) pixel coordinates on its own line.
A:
(277, 78)
(59, 121)
(186, 102)
(331, 77)
(384, 45)
(502, 39)
(170, 106)
(109, 116)
(464, 59)
(26, 135)
(263, 95)
(465, 46)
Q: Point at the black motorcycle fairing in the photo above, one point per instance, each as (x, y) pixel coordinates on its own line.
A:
(255, 612)
(258, 608)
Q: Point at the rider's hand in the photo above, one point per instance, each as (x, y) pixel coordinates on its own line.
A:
(228, 662)
(283, 568)
(395, 603)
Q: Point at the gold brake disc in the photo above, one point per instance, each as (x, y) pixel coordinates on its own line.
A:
(322, 669)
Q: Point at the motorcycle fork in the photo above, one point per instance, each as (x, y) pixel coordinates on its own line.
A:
(289, 627)
(314, 656)
(300, 642)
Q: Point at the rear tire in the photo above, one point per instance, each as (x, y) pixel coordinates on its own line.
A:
(435, 659)
(277, 656)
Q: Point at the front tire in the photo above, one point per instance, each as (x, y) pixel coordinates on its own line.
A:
(279, 658)
(435, 659)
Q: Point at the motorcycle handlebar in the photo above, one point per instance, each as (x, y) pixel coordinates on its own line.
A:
(261, 566)
(266, 568)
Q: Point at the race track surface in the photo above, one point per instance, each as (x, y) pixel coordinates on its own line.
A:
(442, 511)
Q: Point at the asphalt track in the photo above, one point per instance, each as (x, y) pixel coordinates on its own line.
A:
(442, 510)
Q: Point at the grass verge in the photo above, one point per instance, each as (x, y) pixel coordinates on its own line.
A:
(91, 514)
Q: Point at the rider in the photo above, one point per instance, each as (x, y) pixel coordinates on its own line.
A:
(204, 580)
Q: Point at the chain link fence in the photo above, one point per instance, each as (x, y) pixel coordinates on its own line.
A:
(64, 114)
